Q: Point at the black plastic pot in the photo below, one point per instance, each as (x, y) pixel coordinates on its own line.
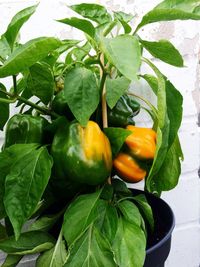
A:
(159, 243)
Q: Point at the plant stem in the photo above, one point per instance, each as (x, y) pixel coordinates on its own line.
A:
(15, 84)
(103, 75)
(29, 103)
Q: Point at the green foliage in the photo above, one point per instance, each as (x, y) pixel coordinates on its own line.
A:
(93, 12)
(129, 241)
(11, 260)
(115, 88)
(171, 10)
(24, 186)
(79, 84)
(28, 54)
(4, 108)
(116, 49)
(165, 51)
(28, 243)
(16, 23)
(81, 24)
(54, 257)
(117, 137)
(40, 82)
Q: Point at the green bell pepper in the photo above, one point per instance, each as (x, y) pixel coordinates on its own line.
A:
(23, 129)
(123, 112)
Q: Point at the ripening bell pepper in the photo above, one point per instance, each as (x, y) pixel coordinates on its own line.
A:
(82, 154)
(123, 112)
(24, 129)
(139, 147)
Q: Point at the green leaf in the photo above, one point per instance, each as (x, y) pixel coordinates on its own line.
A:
(91, 249)
(16, 23)
(80, 52)
(116, 137)
(83, 209)
(4, 48)
(130, 212)
(28, 243)
(81, 24)
(165, 51)
(174, 101)
(4, 108)
(45, 222)
(55, 257)
(82, 93)
(174, 110)
(93, 12)
(116, 49)
(145, 209)
(7, 159)
(162, 129)
(28, 54)
(11, 260)
(129, 245)
(115, 88)
(171, 10)
(168, 175)
(107, 219)
(124, 18)
(40, 82)
(26, 183)
(186, 5)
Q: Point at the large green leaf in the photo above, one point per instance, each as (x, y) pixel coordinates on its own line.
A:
(93, 12)
(107, 219)
(28, 243)
(16, 23)
(11, 260)
(4, 108)
(168, 175)
(129, 245)
(54, 257)
(91, 249)
(117, 137)
(28, 54)
(165, 51)
(162, 129)
(145, 209)
(115, 88)
(40, 82)
(172, 10)
(116, 49)
(81, 92)
(7, 159)
(83, 210)
(174, 102)
(81, 24)
(130, 212)
(26, 183)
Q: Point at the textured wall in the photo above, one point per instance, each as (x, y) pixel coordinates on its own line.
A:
(185, 199)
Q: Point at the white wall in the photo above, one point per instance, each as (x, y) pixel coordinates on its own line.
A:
(185, 199)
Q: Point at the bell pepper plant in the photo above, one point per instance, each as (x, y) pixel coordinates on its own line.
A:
(74, 141)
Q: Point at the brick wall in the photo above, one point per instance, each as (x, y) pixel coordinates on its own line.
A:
(185, 199)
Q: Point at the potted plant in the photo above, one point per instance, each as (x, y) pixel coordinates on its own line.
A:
(75, 131)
